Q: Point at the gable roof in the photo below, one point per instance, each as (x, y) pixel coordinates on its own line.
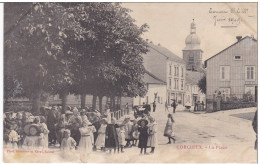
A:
(166, 53)
(229, 47)
(149, 78)
(155, 60)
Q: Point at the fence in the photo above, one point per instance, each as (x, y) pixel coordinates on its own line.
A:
(230, 101)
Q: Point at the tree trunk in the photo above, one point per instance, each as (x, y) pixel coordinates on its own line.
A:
(64, 98)
(83, 100)
(94, 100)
(100, 104)
(36, 102)
(113, 103)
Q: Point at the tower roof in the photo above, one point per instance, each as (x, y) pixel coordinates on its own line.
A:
(192, 40)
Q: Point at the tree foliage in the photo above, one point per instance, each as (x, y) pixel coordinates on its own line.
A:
(203, 84)
(35, 53)
(82, 48)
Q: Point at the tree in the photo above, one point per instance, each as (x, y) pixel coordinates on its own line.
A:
(35, 53)
(110, 63)
(203, 84)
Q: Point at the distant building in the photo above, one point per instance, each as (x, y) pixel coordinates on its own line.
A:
(192, 55)
(156, 90)
(168, 67)
(233, 71)
(192, 91)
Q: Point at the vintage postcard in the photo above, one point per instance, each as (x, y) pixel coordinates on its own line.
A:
(130, 82)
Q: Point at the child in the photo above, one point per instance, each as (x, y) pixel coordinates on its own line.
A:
(128, 131)
(143, 137)
(68, 144)
(111, 136)
(152, 132)
(85, 143)
(13, 138)
(121, 137)
(100, 142)
(135, 132)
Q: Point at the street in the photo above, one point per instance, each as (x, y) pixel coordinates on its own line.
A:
(200, 137)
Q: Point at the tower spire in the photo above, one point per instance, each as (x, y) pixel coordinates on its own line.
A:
(193, 27)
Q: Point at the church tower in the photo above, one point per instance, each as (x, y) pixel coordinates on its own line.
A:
(192, 54)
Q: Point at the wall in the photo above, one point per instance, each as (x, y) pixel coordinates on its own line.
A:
(152, 88)
(247, 48)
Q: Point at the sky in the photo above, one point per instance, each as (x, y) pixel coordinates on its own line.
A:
(217, 24)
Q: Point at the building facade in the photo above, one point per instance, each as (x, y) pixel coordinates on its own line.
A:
(176, 81)
(168, 67)
(156, 91)
(192, 55)
(233, 71)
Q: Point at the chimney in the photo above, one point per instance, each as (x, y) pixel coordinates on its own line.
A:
(239, 38)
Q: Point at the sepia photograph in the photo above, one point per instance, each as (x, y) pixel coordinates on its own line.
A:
(130, 82)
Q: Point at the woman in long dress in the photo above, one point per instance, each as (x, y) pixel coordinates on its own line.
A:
(111, 136)
(100, 142)
(168, 131)
(143, 137)
(152, 132)
(85, 143)
(45, 132)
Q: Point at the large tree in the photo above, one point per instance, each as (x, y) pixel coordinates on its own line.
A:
(35, 53)
(110, 63)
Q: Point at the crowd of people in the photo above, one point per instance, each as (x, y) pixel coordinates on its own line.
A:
(81, 130)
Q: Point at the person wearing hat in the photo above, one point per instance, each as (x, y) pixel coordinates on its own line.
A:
(75, 122)
(111, 136)
(143, 135)
(108, 116)
(100, 141)
(68, 144)
(97, 124)
(152, 135)
(52, 120)
(82, 113)
(168, 131)
(85, 143)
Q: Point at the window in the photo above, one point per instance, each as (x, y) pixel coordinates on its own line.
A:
(170, 83)
(182, 85)
(177, 84)
(225, 73)
(170, 70)
(181, 71)
(191, 60)
(175, 71)
(250, 73)
(237, 57)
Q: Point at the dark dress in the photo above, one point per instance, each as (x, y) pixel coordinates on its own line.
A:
(97, 126)
(143, 137)
(112, 138)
